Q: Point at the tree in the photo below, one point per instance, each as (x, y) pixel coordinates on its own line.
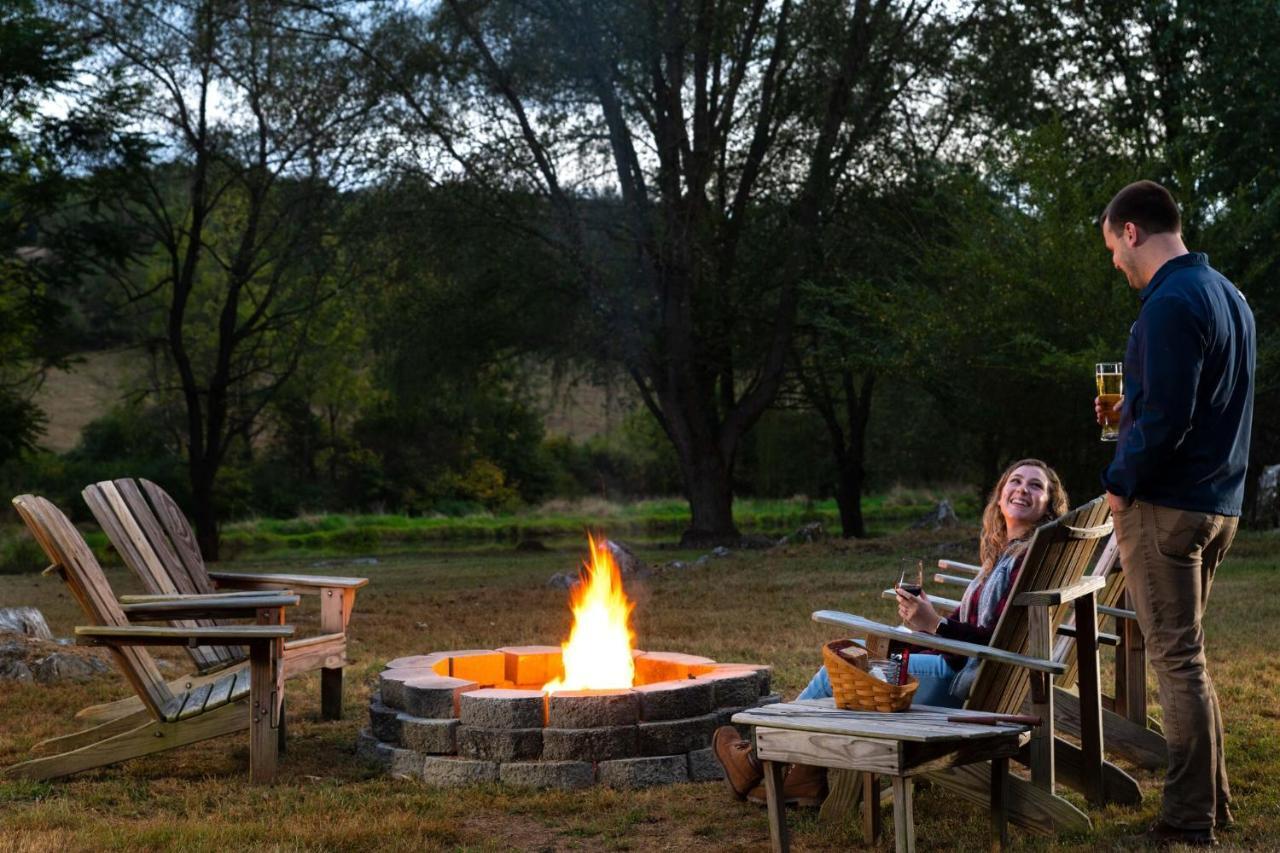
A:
(857, 320)
(652, 133)
(1185, 94)
(53, 170)
(258, 120)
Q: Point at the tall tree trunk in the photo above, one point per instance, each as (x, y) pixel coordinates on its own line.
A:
(709, 489)
(849, 500)
(848, 438)
(203, 513)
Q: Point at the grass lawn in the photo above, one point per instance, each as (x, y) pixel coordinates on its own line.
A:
(751, 606)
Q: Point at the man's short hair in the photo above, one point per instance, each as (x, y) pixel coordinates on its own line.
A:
(1146, 204)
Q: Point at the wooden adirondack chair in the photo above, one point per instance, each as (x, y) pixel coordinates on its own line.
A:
(1124, 714)
(154, 539)
(249, 698)
(1019, 663)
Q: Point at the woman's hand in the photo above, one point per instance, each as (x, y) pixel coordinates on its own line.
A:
(917, 613)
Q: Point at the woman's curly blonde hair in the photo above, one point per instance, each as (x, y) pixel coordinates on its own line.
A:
(995, 536)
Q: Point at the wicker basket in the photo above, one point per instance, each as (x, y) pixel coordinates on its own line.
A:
(857, 690)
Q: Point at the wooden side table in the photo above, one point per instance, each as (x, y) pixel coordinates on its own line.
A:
(898, 745)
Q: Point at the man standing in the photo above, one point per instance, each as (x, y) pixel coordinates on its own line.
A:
(1177, 482)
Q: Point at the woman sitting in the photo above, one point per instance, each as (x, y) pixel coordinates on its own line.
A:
(1028, 494)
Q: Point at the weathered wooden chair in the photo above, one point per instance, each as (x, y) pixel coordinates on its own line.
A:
(154, 539)
(1125, 724)
(248, 698)
(1019, 663)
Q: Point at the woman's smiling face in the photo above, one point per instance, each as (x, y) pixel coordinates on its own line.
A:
(1024, 500)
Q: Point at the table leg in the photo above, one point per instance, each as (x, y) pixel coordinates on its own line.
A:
(777, 808)
(999, 814)
(870, 808)
(904, 824)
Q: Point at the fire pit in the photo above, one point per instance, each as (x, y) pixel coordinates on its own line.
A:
(592, 710)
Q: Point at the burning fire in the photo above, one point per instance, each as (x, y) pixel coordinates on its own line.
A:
(598, 654)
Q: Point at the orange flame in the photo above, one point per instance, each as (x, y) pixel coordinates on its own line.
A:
(598, 654)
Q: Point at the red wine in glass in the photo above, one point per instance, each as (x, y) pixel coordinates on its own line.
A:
(912, 579)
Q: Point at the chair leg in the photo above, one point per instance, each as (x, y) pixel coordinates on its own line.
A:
(999, 814)
(266, 695)
(84, 737)
(152, 736)
(335, 612)
(331, 694)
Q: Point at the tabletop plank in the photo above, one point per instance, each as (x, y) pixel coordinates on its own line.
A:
(921, 724)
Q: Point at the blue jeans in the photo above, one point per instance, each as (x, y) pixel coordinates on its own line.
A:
(931, 671)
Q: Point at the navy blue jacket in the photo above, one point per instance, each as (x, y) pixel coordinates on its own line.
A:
(1188, 393)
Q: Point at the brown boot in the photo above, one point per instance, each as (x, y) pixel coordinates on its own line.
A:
(741, 767)
(803, 785)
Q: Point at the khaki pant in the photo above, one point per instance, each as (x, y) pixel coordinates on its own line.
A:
(1169, 557)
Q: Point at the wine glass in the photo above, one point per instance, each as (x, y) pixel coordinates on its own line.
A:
(912, 578)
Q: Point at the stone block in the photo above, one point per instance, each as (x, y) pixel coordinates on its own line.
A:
(592, 709)
(437, 662)
(482, 666)
(643, 772)
(763, 672)
(451, 772)
(533, 664)
(666, 666)
(562, 775)
(384, 722)
(724, 717)
(391, 683)
(704, 766)
(671, 736)
(495, 708)
(406, 764)
(499, 744)
(435, 696)
(770, 699)
(367, 747)
(589, 744)
(673, 700)
(430, 737)
(734, 688)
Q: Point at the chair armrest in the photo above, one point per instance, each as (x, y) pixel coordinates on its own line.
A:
(933, 641)
(208, 606)
(1118, 612)
(956, 566)
(168, 635)
(942, 605)
(181, 596)
(303, 583)
(1051, 597)
(954, 580)
(948, 605)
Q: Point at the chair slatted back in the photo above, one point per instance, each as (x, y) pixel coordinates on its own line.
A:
(169, 517)
(1057, 556)
(1107, 566)
(67, 549)
(147, 548)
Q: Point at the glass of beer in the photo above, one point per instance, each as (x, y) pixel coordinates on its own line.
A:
(1110, 375)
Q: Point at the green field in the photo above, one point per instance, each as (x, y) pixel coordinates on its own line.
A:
(751, 606)
(564, 522)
